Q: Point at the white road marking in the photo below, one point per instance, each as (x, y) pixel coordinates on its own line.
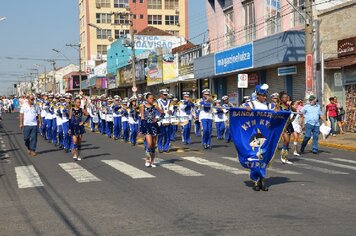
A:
(330, 163)
(80, 174)
(3, 146)
(2, 142)
(273, 169)
(215, 165)
(7, 155)
(319, 169)
(176, 168)
(27, 177)
(127, 169)
(344, 160)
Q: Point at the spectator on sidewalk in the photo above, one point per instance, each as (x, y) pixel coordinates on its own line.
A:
(30, 119)
(340, 115)
(331, 112)
(311, 114)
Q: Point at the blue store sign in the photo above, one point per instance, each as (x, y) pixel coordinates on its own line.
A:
(234, 59)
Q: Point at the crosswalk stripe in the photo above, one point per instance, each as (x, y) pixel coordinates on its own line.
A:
(215, 165)
(330, 163)
(343, 160)
(273, 169)
(319, 169)
(177, 168)
(27, 177)
(80, 174)
(127, 169)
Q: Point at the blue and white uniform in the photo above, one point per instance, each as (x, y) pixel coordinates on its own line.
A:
(133, 123)
(164, 137)
(219, 119)
(186, 114)
(206, 119)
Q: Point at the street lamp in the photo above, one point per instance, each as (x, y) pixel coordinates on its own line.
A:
(77, 47)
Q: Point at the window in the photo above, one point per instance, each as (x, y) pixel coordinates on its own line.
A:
(103, 33)
(154, 4)
(171, 20)
(103, 18)
(299, 18)
(141, 1)
(154, 19)
(121, 19)
(171, 4)
(229, 28)
(101, 49)
(121, 33)
(274, 16)
(103, 3)
(141, 17)
(121, 3)
(134, 16)
(225, 3)
(250, 23)
(173, 32)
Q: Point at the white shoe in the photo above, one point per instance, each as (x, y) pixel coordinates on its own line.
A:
(79, 159)
(147, 164)
(75, 158)
(153, 165)
(288, 162)
(296, 154)
(283, 160)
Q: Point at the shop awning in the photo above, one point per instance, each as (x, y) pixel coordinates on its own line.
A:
(340, 62)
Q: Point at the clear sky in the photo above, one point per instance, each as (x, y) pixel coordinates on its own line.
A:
(34, 27)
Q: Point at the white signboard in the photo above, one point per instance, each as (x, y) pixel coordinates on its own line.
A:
(148, 42)
(242, 81)
(338, 79)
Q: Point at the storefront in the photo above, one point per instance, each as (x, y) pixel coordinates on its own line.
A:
(261, 60)
(340, 80)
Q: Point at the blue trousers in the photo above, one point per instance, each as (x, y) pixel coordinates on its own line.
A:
(60, 135)
(92, 124)
(30, 137)
(173, 131)
(103, 126)
(186, 133)
(257, 172)
(332, 124)
(67, 140)
(309, 131)
(197, 128)
(207, 130)
(44, 128)
(49, 129)
(220, 129)
(117, 127)
(126, 130)
(133, 133)
(227, 134)
(54, 130)
(164, 138)
(109, 128)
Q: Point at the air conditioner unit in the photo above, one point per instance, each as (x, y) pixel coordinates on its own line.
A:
(98, 5)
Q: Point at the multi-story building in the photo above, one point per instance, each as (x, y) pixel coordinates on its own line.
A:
(103, 21)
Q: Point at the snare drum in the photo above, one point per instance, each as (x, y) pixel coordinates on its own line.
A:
(166, 121)
(183, 120)
(109, 118)
(95, 119)
(175, 120)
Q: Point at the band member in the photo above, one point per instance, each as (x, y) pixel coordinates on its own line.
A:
(226, 104)
(43, 116)
(66, 107)
(77, 127)
(186, 112)
(102, 115)
(125, 120)
(297, 125)
(206, 118)
(49, 117)
(149, 128)
(196, 113)
(284, 106)
(164, 137)
(109, 118)
(133, 119)
(219, 118)
(117, 117)
(54, 119)
(59, 130)
(258, 173)
(174, 117)
(93, 113)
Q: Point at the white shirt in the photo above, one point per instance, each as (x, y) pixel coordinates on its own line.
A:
(30, 114)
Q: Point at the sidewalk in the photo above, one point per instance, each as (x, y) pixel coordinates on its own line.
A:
(345, 141)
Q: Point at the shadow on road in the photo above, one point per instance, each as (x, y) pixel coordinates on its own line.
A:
(97, 155)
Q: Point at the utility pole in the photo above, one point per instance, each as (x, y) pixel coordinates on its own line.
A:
(133, 55)
(53, 62)
(309, 64)
(77, 46)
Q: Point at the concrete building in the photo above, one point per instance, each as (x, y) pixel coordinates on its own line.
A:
(168, 15)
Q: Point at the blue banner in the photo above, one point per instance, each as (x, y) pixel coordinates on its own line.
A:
(256, 134)
(235, 59)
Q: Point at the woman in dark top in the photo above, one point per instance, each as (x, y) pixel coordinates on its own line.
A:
(149, 127)
(77, 127)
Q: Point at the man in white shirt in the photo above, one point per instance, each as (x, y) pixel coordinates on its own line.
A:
(30, 118)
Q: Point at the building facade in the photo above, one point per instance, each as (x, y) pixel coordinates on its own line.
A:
(103, 21)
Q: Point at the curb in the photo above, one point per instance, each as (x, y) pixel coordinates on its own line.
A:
(338, 146)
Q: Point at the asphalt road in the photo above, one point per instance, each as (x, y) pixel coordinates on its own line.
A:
(191, 192)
